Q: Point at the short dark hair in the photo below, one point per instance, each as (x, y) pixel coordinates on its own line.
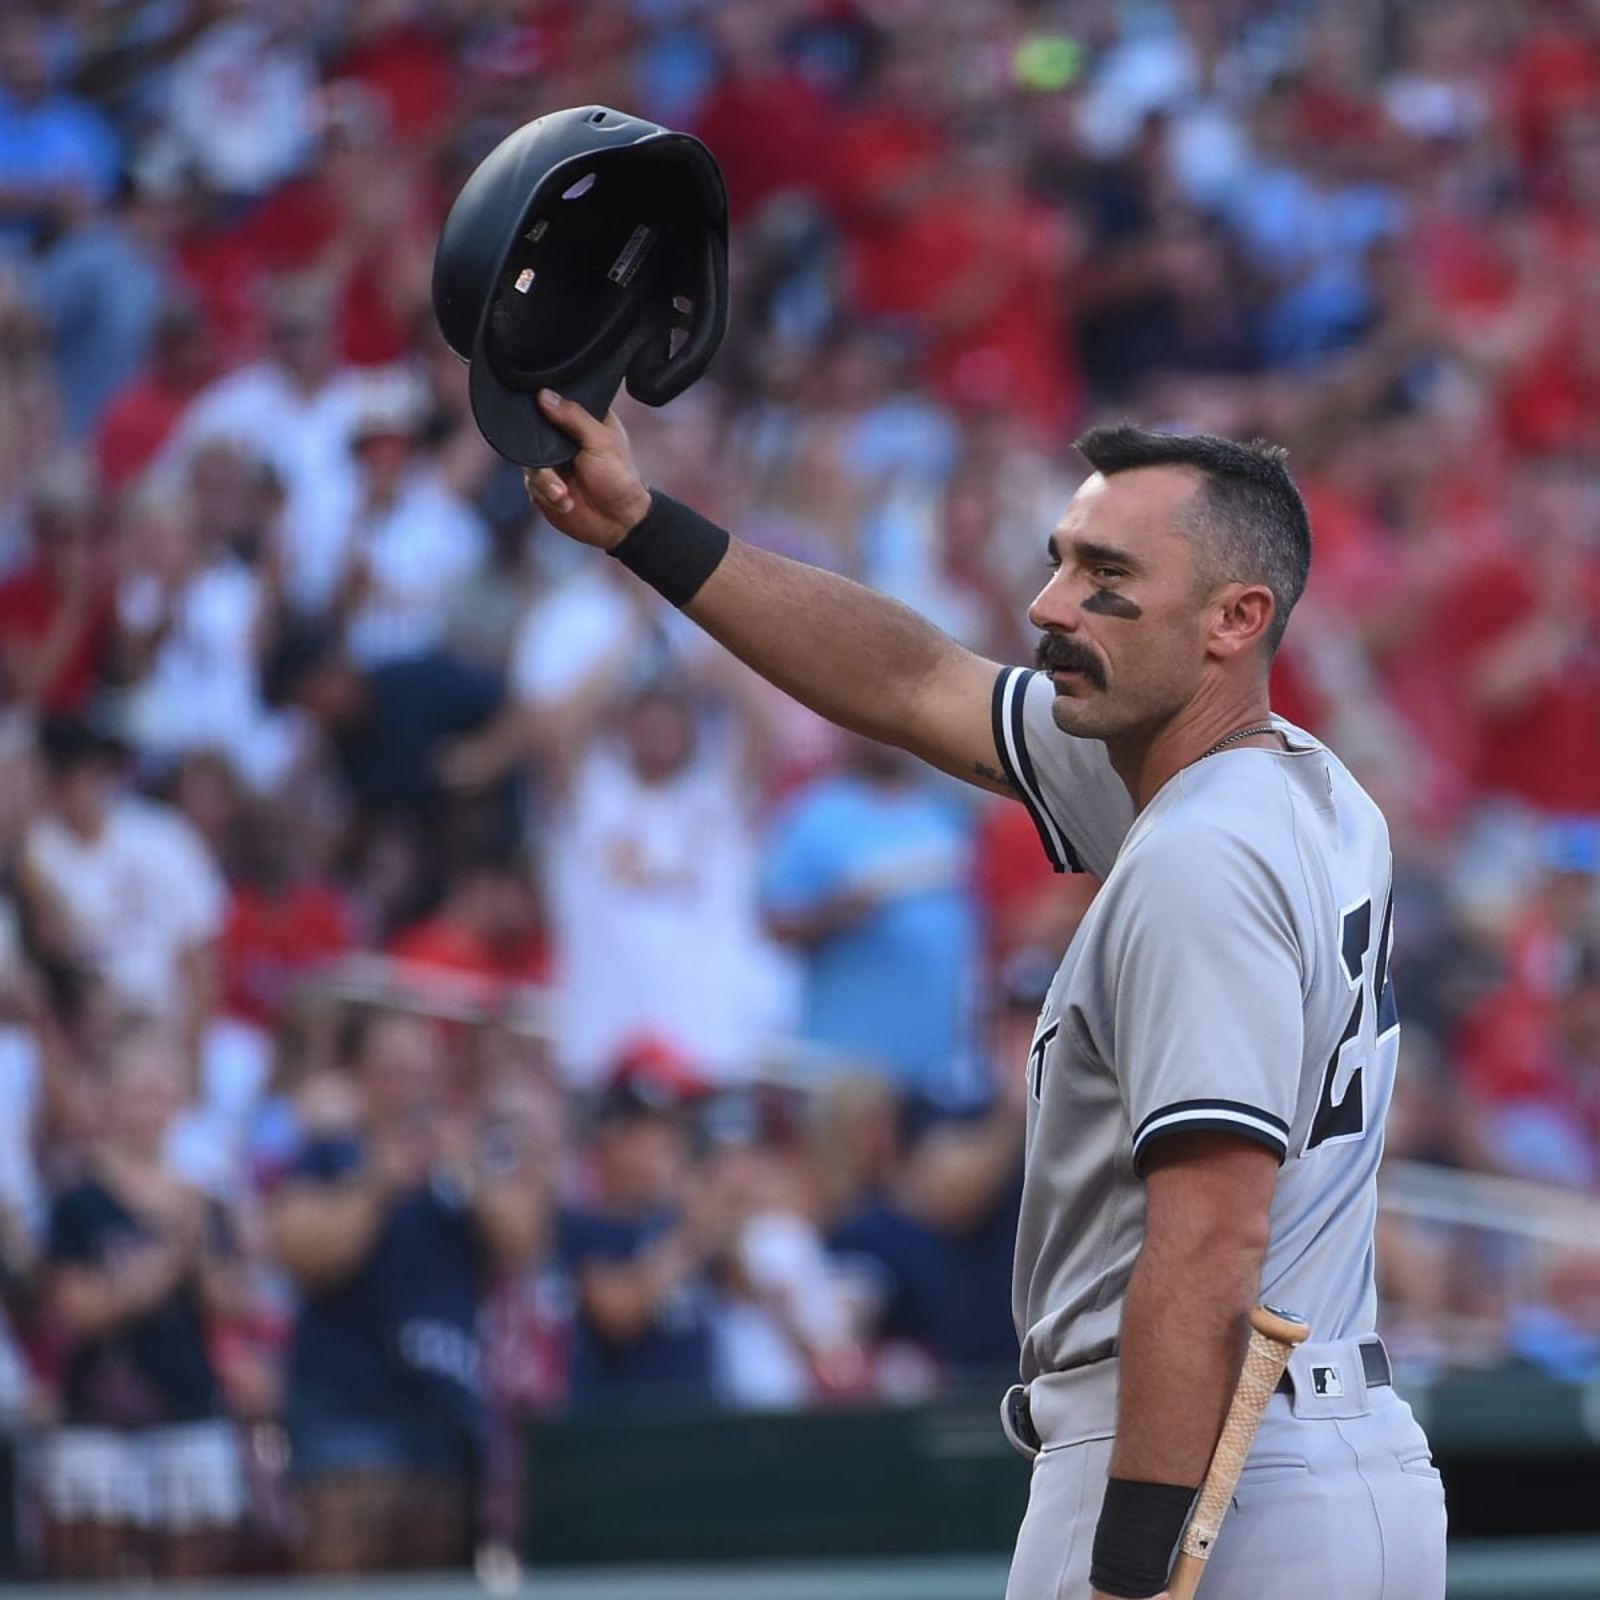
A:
(68, 743)
(1249, 510)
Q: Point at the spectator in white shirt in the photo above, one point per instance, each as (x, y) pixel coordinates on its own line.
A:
(653, 897)
(578, 633)
(194, 619)
(295, 409)
(411, 540)
(588, 629)
(238, 101)
(143, 899)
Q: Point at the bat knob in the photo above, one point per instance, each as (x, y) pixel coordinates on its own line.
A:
(1283, 1327)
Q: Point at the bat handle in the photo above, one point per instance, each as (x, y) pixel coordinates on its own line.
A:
(1273, 1337)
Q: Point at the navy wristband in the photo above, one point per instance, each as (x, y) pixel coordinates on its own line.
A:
(1140, 1524)
(673, 548)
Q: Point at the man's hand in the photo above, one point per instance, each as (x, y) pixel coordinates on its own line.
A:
(598, 496)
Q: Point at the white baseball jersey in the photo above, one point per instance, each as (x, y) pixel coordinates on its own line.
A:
(1231, 974)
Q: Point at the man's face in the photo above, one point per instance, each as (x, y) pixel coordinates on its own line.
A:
(384, 457)
(402, 1071)
(301, 337)
(641, 1161)
(660, 732)
(145, 1091)
(1123, 617)
(83, 794)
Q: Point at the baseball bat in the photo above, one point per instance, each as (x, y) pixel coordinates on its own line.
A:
(1273, 1336)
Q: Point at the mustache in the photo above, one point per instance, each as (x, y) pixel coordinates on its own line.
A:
(1057, 653)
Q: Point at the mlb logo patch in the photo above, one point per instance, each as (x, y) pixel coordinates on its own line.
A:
(1327, 1381)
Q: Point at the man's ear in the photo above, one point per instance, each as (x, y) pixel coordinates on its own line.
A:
(1240, 617)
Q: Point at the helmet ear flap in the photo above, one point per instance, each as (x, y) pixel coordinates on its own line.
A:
(659, 372)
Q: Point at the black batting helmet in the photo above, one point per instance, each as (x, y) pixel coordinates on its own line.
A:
(587, 248)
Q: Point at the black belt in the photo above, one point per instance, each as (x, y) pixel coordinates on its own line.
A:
(1374, 1366)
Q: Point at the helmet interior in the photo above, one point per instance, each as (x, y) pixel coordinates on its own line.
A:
(601, 248)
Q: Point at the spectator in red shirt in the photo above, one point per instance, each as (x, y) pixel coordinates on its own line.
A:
(1331, 95)
(284, 919)
(1556, 70)
(486, 926)
(1550, 400)
(1551, 404)
(1520, 633)
(1028, 907)
(360, 218)
(981, 269)
(1537, 1096)
(56, 614)
(891, 148)
(140, 415)
(770, 129)
(397, 53)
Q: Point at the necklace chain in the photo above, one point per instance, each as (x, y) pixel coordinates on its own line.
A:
(1233, 738)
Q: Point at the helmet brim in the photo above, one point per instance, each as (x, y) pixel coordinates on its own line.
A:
(511, 421)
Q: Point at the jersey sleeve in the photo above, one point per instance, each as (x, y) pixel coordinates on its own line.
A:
(1077, 802)
(1208, 1008)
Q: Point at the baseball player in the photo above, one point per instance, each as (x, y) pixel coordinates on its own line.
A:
(1212, 1067)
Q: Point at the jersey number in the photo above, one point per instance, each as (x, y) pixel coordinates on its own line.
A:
(1041, 1048)
(1344, 1118)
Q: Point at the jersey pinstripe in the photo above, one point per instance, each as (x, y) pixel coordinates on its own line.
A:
(1231, 974)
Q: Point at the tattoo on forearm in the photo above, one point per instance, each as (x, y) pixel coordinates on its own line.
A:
(990, 775)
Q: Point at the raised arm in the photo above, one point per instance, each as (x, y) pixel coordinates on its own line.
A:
(852, 655)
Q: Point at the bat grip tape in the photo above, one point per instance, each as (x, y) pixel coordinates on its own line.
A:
(1139, 1527)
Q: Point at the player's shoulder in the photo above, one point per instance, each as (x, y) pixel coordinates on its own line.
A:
(1196, 843)
(1236, 791)
(1235, 818)
(1299, 816)
(1331, 806)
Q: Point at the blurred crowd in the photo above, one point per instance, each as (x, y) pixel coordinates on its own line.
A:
(437, 987)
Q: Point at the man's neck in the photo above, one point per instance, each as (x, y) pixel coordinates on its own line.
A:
(1146, 761)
